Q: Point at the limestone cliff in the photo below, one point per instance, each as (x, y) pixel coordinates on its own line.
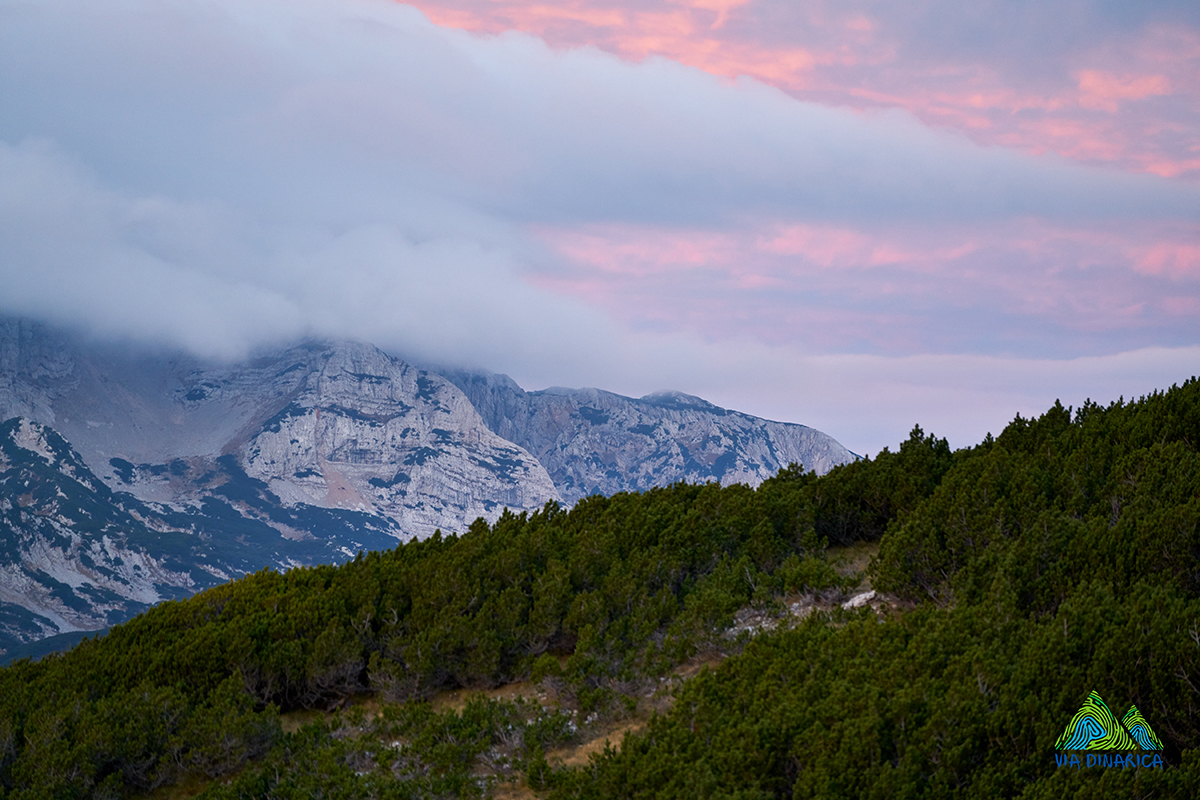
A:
(592, 441)
(337, 425)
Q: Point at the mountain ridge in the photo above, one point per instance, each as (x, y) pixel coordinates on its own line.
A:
(663, 437)
(310, 452)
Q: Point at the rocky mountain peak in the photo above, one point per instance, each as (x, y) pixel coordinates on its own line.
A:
(593, 441)
(679, 400)
(193, 472)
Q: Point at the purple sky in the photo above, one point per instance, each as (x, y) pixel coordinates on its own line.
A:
(857, 216)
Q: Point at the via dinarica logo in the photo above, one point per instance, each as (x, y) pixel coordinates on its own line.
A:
(1094, 738)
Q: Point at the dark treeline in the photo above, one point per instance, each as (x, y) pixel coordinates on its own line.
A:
(1062, 556)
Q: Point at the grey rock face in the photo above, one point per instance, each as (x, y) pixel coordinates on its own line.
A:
(366, 431)
(77, 556)
(35, 370)
(330, 425)
(592, 441)
(71, 561)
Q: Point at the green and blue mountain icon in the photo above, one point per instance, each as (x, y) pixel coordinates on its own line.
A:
(1140, 730)
(1095, 727)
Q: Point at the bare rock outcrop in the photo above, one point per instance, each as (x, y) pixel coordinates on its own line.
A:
(592, 441)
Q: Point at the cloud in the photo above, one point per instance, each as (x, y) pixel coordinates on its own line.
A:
(1003, 74)
(1018, 288)
(190, 275)
(339, 111)
(1103, 90)
(225, 175)
(79, 255)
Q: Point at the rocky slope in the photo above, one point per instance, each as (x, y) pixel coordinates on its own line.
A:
(592, 441)
(70, 558)
(365, 431)
(77, 556)
(131, 476)
(330, 425)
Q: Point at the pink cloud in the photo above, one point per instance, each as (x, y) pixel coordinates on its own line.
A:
(1168, 168)
(821, 286)
(1103, 90)
(830, 246)
(693, 33)
(824, 245)
(1182, 306)
(1127, 101)
(850, 57)
(639, 251)
(1174, 260)
(720, 7)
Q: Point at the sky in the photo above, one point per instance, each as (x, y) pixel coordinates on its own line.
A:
(858, 216)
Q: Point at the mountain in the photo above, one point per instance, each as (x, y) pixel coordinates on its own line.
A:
(77, 556)
(331, 425)
(304, 454)
(70, 554)
(597, 442)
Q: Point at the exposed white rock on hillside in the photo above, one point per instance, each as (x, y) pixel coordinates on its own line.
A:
(366, 431)
(595, 441)
(330, 425)
(68, 560)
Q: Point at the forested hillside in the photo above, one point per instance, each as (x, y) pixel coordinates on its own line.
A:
(128, 476)
(1059, 558)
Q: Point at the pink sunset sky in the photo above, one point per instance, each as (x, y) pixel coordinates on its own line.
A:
(1119, 91)
(856, 215)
